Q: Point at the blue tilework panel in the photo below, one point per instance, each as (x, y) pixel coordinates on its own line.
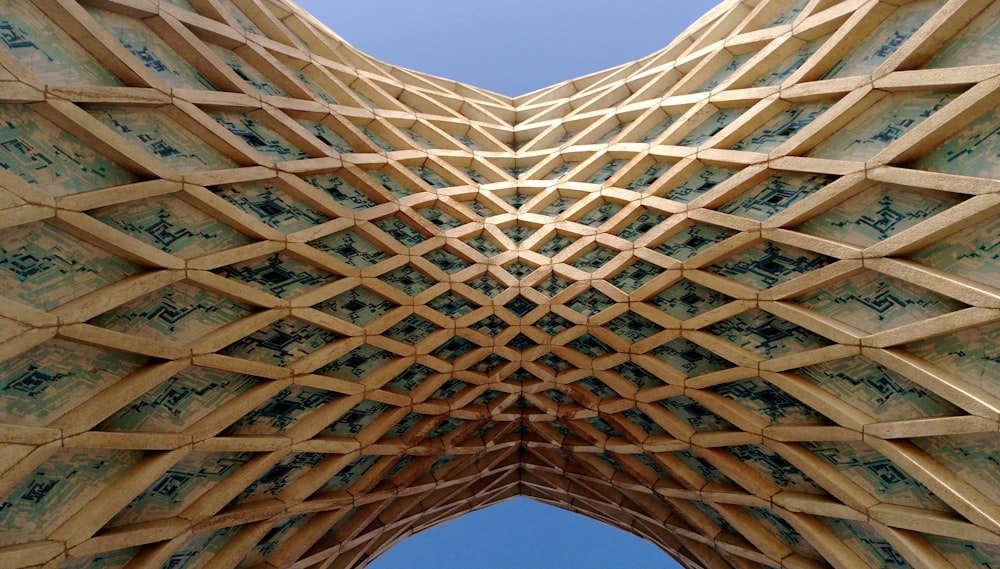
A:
(180, 486)
(774, 467)
(57, 488)
(356, 419)
(358, 363)
(875, 48)
(280, 412)
(875, 302)
(790, 64)
(171, 225)
(687, 299)
(108, 560)
(257, 80)
(280, 343)
(262, 138)
(41, 384)
(775, 194)
(350, 473)
(973, 253)
(975, 458)
(698, 183)
(878, 391)
(695, 414)
(162, 138)
(44, 267)
(876, 474)
(343, 193)
(867, 543)
(782, 127)
(179, 402)
(768, 264)
(273, 206)
(972, 354)
(712, 125)
(724, 72)
(152, 52)
(327, 136)
(199, 549)
(881, 124)
(770, 403)
(44, 48)
(177, 314)
(965, 554)
(349, 247)
(765, 335)
(55, 161)
(977, 44)
(693, 239)
(277, 274)
(878, 213)
(690, 358)
(358, 306)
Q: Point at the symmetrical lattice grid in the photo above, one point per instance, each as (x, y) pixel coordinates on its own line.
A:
(268, 302)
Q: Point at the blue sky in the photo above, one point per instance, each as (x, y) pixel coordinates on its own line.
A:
(513, 47)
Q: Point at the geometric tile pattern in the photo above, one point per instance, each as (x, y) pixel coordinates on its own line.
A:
(266, 301)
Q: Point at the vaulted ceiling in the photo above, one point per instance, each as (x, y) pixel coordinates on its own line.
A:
(268, 302)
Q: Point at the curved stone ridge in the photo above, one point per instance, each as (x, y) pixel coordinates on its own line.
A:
(268, 302)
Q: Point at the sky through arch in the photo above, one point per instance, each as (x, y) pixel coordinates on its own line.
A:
(510, 47)
(523, 534)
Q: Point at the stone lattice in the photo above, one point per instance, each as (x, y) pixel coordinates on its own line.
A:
(269, 302)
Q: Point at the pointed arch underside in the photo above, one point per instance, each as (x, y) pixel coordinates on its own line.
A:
(269, 302)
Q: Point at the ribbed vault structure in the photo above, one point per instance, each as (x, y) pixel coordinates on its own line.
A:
(268, 302)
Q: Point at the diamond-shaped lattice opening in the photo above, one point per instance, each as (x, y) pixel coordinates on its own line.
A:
(560, 170)
(517, 199)
(633, 327)
(554, 362)
(358, 306)
(401, 230)
(557, 397)
(171, 406)
(637, 375)
(647, 177)
(604, 173)
(964, 253)
(771, 403)
(448, 389)
(642, 224)
(775, 194)
(768, 264)
(602, 426)
(351, 248)
(489, 364)
(287, 471)
(595, 387)
(447, 261)
(343, 193)
(404, 426)
(874, 302)
(410, 330)
(487, 397)
(442, 219)
(518, 233)
(407, 279)
(280, 343)
(178, 314)
(590, 346)
(703, 180)
(877, 390)
(711, 126)
(558, 205)
(165, 222)
(641, 420)
(358, 363)
(490, 326)
(454, 348)
(878, 213)
(449, 425)
(520, 306)
(690, 358)
(695, 414)
(350, 474)
(272, 205)
(280, 412)
(783, 126)
(519, 269)
(389, 183)
(355, 420)
(552, 285)
(553, 324)
(692, 240)
(766, 335)
(484, 245)
(687, 299)
(594, 259)
(277, 274)
(486, 285)
(591, 302)
(452, 305)
(44, 267)
(258, 135)
(41, 384)
(409, 379)
(598, 215)
(521, 342)
(432, 178)
(635, 275)
(554, 246)
(326, 135)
